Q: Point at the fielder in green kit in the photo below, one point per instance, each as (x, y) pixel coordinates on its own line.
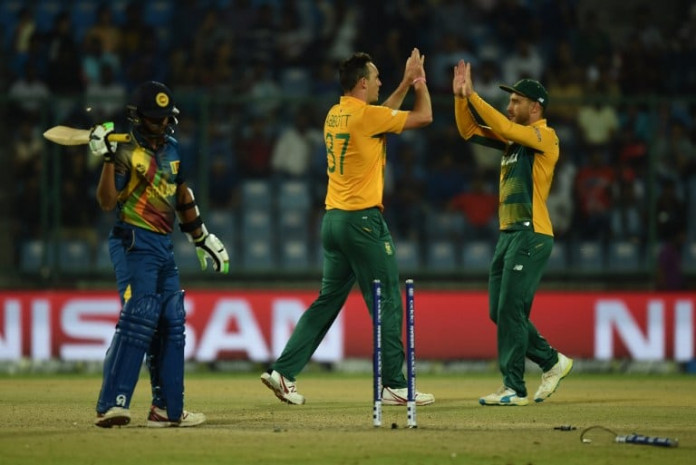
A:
(356, 240)
(530, 152)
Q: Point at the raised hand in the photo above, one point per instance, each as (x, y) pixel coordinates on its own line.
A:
(414, 66)
(462, 86)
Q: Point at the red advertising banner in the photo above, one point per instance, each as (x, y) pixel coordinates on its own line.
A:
(254, 325)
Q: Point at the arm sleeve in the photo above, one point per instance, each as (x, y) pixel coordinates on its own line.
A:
(529, 136)
(381, 120)
(471, 129)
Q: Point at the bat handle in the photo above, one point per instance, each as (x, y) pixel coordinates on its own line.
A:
(118, 137)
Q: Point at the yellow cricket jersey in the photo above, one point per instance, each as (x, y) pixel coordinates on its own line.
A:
(356, 152)
(530, 154)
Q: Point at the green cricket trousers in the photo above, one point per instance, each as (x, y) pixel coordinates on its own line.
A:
(518, 262)
(357, 247)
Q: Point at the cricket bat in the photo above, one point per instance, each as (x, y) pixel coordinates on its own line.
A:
(65, 135)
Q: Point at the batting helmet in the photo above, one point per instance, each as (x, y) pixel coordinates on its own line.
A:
(154, 100)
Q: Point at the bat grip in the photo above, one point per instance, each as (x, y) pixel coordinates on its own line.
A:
(115, 137)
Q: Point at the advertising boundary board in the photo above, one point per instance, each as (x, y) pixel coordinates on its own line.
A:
(254, 325)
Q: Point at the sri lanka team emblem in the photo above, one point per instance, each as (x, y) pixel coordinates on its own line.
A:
(174, 166)
(162, 99)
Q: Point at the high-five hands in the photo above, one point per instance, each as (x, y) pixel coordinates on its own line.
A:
(414, 67)
(462, 86)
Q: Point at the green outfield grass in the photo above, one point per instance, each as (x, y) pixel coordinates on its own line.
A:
(48, 420)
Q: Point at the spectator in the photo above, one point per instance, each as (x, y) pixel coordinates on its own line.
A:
(450, 48)
(487, 79)
(670, 210)
(675, 153)
(627, 215)
(22, 37)
(593, 191)
(598, 122)
(591, 40)
(29, 94)
(560, 203)
(94, 57)
(263, 91)
(76, 180)
(133, 30)
(64, 63)
(445, 180)
(670, 273)
(479, 205)
(255, 149)
(106, 30)
(295, 145)
(406, 206)
(106, 97)
(524, 62)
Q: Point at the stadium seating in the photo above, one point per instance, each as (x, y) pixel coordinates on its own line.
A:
(34, 255)
(258, 255)
(445, 225)
(257, 194)
(476, 256)
(74, 256)
(102, 259)
(587, 256)
(294, 195)
(623, 256)
(441, 255)
(558, 261)
(292, 225)
(294, 255)
(185, 254)
(407, 255)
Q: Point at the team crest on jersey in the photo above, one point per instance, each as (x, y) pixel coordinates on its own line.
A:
(174, 166)
(388, 248)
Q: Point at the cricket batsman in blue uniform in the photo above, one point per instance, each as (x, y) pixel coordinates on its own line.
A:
(142, 180)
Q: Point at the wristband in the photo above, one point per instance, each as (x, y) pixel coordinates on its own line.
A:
(418, 79)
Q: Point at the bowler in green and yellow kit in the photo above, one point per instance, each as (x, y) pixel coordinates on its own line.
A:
(358, 246)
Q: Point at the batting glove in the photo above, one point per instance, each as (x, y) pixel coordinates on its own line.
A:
(98, 141)
(210, 247)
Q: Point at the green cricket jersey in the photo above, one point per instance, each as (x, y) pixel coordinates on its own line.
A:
(529, 157)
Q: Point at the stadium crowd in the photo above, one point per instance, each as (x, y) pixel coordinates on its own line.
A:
(253, 79)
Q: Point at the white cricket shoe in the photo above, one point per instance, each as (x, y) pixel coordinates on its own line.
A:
(503, 396)
(283, 388)
(158, 419)
(391, 396)
(115, 416)
(552, 378)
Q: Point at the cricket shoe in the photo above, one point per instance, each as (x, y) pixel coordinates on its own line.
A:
(393, 396)
(552, 378)
(503, 396)
(115, 416)
(158, 419)
(283, 388)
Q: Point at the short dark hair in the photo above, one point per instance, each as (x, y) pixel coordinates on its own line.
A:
(353, 69)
